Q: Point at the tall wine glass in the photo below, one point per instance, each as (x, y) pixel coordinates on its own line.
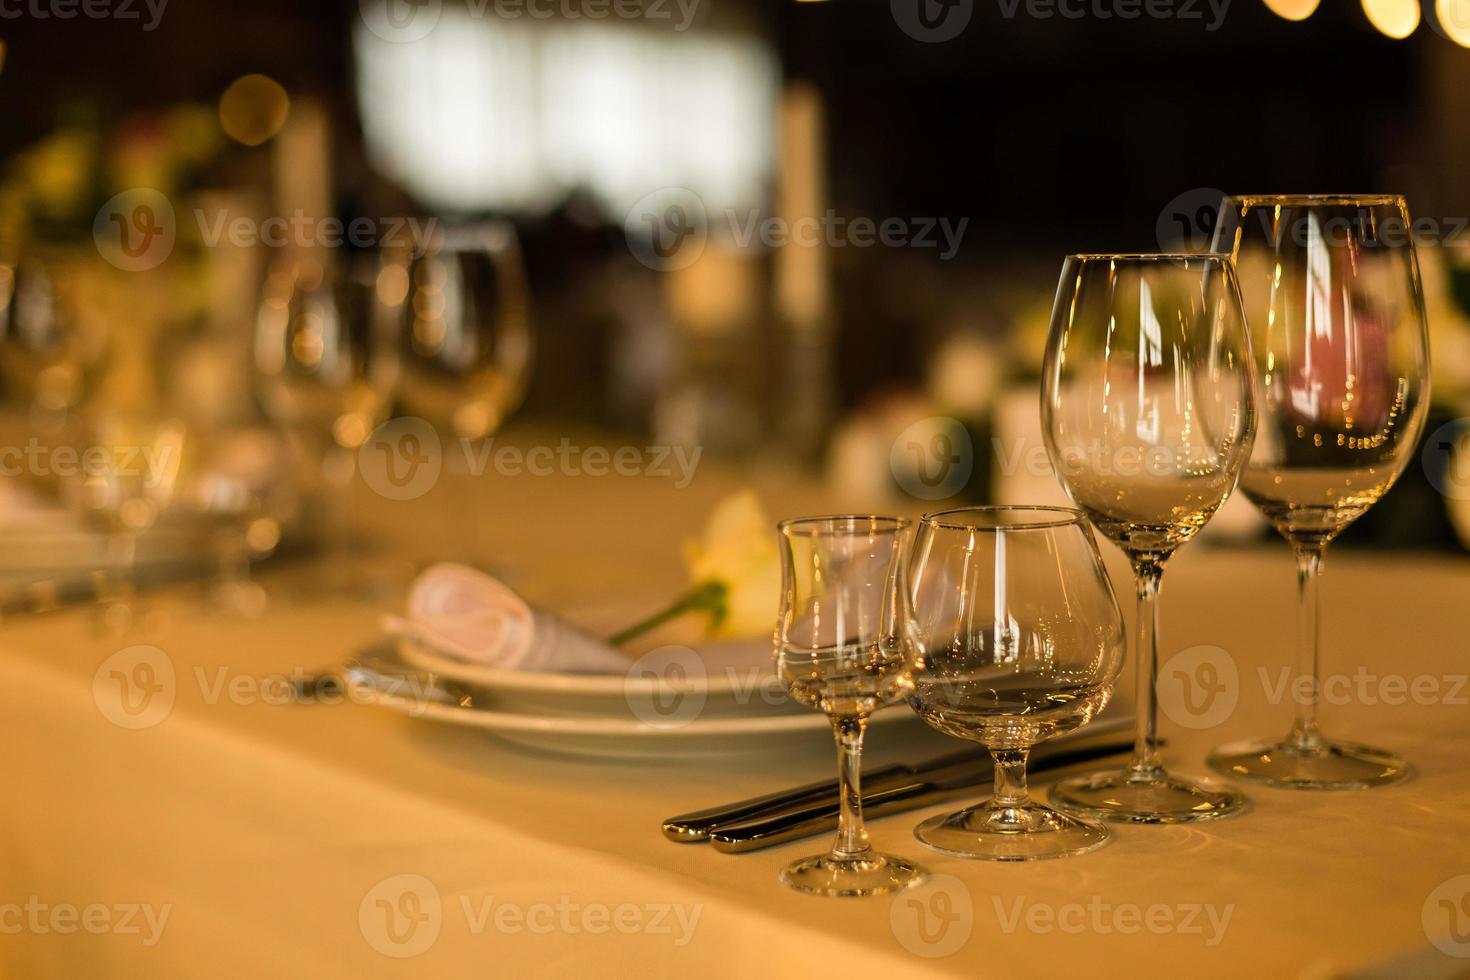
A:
(323, 378)
(465, 349)
(845, 646)
(1332, 290)
(1022, 638)
(1148, 415)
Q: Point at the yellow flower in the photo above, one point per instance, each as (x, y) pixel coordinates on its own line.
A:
(735, 570)
(738, 550)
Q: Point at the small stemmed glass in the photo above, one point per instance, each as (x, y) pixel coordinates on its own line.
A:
(845, 646)
(1022, 638)
(1148, 416)
(1332, 287)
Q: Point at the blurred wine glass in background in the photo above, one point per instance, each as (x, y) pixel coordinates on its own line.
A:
(130, 463)
(323, 379)
(244, 501)
(44, 356)
(465, 342)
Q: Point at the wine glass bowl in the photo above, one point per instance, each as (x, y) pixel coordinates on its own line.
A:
(845, 645)
(1022, 639)
(1332, 292)
(466, 340)
(1148, 415)
(317, 357)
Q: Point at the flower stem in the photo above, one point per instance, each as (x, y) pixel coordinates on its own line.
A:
(704, 597)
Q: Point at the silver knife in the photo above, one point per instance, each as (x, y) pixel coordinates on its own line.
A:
(693, 828)
(966, 777)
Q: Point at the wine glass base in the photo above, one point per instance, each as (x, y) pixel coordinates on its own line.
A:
(991, 832)
(875, 874)
(1332, 765)
(1120, 797)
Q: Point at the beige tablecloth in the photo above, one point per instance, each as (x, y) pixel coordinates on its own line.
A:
(253, 839)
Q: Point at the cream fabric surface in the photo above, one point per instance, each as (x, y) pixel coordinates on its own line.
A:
(278, 835)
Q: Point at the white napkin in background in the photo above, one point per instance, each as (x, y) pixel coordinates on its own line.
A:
(464, 613)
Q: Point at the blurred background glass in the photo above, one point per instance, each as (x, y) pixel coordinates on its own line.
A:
(821, 232)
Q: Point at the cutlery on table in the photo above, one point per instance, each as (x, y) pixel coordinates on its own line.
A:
(812, 809)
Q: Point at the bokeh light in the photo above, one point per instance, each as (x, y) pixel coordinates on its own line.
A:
(1395, 18)
(1454, 20)
(253, 109)
(1293, 9)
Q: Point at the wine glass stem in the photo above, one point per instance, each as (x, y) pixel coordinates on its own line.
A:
(1148, 575)
(1304, 734)
(1011, 794)
(852, 838)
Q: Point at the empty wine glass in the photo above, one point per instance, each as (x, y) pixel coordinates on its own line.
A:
(1022, 638)
(324, 378)
(465, 350)
(1148, 417)
(1333, 295)
(845, 646)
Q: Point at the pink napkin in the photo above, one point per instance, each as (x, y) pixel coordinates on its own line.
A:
(463, 613)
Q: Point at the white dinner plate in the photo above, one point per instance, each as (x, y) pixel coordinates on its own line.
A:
(731, 678)
(681, 732)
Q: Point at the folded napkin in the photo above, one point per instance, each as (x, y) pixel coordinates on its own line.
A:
(463, 613)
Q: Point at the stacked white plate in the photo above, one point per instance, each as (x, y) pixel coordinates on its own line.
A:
(673, 702)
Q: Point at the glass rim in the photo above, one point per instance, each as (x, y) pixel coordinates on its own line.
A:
(1327, 200)
(825, 524)
(1149, 256)
(1066, 517)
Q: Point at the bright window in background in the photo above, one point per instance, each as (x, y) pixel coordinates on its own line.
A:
(489, 113)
